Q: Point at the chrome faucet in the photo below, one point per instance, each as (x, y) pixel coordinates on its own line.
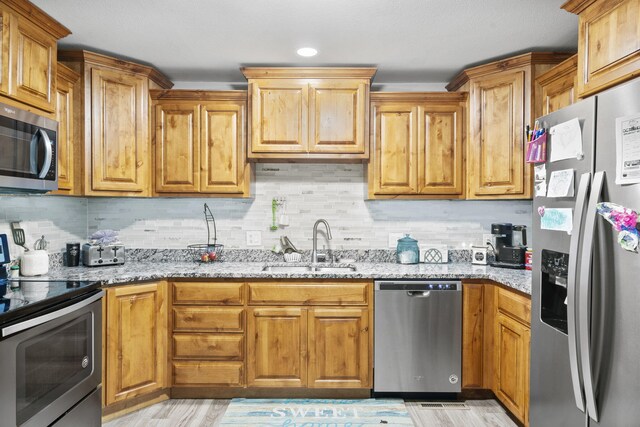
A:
(314, 252)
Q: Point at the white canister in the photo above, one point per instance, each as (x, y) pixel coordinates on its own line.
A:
(34, 263)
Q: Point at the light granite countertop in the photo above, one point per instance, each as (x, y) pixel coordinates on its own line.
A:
(136, 271)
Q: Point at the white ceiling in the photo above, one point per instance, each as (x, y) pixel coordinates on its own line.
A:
(408, 40)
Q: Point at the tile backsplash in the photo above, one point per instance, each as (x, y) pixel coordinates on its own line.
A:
(335, 192)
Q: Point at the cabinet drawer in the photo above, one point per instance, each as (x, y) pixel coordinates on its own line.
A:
(308, 294)
(221, 293)
(205, 346)
(208, 373)
(208, 319)
(514, 305)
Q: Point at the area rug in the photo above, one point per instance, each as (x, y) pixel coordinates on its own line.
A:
(316, 413)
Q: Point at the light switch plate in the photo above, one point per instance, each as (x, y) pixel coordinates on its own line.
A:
(393, 239)
(254, 238)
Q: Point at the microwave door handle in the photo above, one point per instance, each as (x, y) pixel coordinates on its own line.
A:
(19, 327)
(572, 301)
(48, 153)
(584, 298)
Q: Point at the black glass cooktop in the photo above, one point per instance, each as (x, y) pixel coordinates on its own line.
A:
(19, 298)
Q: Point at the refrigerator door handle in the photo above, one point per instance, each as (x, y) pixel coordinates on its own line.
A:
(584, 298)
(572, 301)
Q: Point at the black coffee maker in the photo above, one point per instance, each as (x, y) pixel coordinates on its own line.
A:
(508, 254)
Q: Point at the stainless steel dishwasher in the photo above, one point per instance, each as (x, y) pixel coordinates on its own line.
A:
(418, 336)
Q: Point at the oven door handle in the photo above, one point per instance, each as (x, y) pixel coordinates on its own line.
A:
(19, 327)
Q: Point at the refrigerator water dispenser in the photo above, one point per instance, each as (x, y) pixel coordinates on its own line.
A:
(553, 310)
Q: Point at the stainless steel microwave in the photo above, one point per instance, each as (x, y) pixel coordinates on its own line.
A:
(28, 152)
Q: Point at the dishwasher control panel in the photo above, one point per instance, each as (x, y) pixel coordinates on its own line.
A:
(445, 285)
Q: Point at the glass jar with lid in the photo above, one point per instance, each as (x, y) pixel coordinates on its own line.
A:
(407, 251)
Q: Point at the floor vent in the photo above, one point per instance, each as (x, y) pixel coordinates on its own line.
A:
(444, 405)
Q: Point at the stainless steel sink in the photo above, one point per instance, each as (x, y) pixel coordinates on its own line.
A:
(309, 269)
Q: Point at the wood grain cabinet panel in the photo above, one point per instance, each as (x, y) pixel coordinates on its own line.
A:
(36, 66)
(472, 335)
(496, 154)
(338, 117)
(277, 347)
(339, 348)
(208, 346)
(120, 139)
(201, 373)
(608, 42)
(67, 146)
(440, 149)
(272, 293)
(214, 293)
(559, 85)
(136, 353)
(208, 319)
(6, 67)
(177, 148)
(512, 365)
(223, 154)
(279, 116)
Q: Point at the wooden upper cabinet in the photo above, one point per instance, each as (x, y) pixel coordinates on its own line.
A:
(417, 145)
(28, 56)
(277, 347)
(559, 85)
(496, 155)
(120, 137)
(339, 348)
(279, 111)
(177, 160)
(608, 42)
(338, 117)
(66, 141)
(136, 341)
(200, 143)
(503, 98)
(224, 169)
(308, 113)
(112, 123)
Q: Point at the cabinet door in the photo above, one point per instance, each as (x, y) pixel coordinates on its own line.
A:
(65, 138)
(339, 349)
(222, 147)
(6, 71)
(496, 152)
(177, 161)
(608, 47)
(36, 66)
(337, 117)
(440, 148)
(277, 347)
(512, 365)
(395, 160)
(120, 134)
(136, 355)
(472, 335)
(279, 116)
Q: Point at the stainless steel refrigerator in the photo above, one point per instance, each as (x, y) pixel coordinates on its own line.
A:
(585, 343)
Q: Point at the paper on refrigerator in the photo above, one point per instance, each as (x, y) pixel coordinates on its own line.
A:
(566, 141)
(628, 149)
(561, 183)
(557, 219)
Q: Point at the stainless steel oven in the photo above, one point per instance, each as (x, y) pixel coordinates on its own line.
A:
(52, 366)
(28, 162)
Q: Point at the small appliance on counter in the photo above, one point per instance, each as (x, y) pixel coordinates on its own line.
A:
(509, 252)
(104, 248)
(407, 251)
(96, 254)
(479, 255)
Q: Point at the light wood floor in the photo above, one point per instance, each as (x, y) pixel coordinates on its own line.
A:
(208, 412)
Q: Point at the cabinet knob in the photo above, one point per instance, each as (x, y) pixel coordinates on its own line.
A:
(139, 163)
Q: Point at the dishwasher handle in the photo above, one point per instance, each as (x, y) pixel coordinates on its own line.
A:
(419, 294)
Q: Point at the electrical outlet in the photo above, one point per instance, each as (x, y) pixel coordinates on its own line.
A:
(393, 239)
(254, 238)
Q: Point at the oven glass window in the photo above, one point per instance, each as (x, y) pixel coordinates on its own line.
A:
(52, 363)
(22, 147)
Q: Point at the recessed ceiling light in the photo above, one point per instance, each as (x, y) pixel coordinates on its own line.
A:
(307, 51)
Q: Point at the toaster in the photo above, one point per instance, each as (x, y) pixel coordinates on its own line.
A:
(96, 255)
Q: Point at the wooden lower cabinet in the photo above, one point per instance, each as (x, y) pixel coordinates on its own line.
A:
(136, 341)
(511, 354)
(277, 347)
